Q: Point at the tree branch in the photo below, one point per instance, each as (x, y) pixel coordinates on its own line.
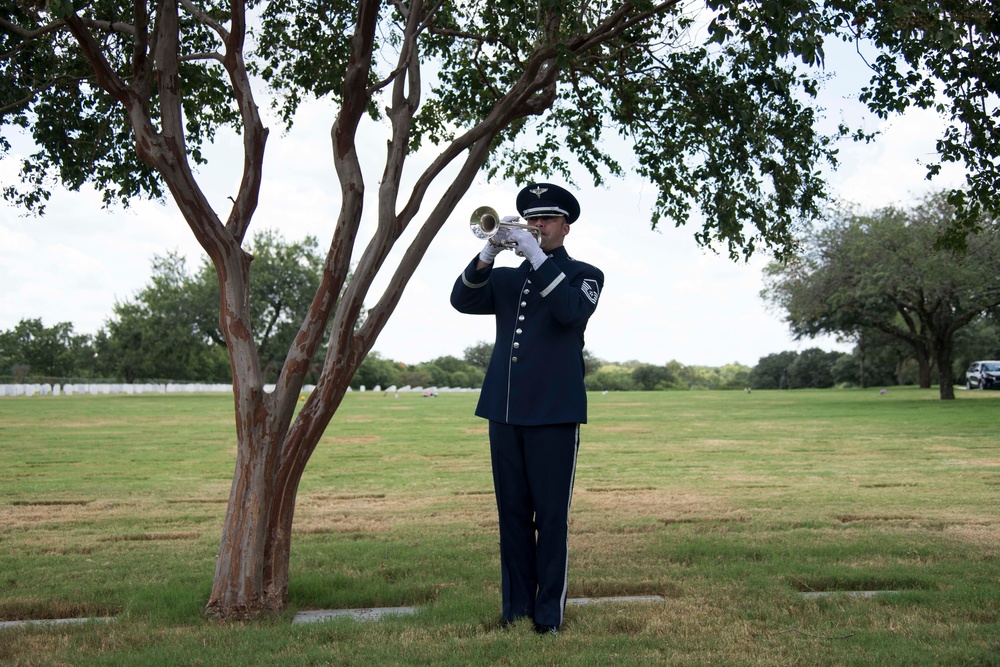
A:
(51, 84)
(254, 132)
(206, 55)
(378, 315)
(615, 24)
(53, 26)
(31, 34)
(324, 399)
(532, 94)
(166, 58)
(401, 67)
(205, 19)
(109, 26)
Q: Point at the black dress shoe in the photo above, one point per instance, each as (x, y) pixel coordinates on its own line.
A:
(546, 629)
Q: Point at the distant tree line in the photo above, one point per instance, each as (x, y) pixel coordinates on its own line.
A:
(448, 371)
(638, 376)
(33, 352)
(170, 329)
(897, 282)
(915, 308)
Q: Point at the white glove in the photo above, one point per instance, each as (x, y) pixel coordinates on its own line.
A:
(489, 253)
(528, 246)
(502, 235)
(493, 246)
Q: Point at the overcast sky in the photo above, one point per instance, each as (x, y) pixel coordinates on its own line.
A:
(664, 297)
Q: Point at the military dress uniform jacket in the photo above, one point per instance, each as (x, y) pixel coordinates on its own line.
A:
(535, 375)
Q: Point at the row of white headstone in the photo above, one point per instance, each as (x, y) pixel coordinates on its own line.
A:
(96, 389)
(426, 390)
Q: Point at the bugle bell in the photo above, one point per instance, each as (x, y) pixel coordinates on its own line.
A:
(485, 223)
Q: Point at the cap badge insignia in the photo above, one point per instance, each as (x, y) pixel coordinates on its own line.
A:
(538, 191)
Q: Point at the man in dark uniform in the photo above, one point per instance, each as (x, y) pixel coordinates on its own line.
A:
(533, 396)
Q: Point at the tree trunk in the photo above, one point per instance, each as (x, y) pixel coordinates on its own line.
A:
(923, 367)
(943, 358)
(239, 589)
(299, 445)
(252, 567)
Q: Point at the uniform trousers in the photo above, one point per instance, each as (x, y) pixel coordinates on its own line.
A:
(533, 472)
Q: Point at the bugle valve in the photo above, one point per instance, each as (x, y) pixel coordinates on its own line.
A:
(485, 223)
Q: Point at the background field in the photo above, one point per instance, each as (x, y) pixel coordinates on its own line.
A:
(729, 505)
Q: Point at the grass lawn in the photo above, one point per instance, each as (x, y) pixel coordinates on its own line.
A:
(730, 506)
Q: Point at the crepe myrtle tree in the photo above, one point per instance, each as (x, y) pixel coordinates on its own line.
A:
(714, 99)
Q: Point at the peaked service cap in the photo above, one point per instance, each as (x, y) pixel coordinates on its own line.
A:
(544, 199)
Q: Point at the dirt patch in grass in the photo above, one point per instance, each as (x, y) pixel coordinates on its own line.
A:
(611, 587)
(321, 499)
(149, 537)
(887, 485)
(872, 518)
(857, 583)
(740, 518)
(343, 524)
(36, 609)
(343, 528)
(100, 518)
(583, 528)
(620, 489)
(39, 515)
(196, 501)
(47, 503)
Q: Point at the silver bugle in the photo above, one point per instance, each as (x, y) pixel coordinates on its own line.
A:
(485, 223)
